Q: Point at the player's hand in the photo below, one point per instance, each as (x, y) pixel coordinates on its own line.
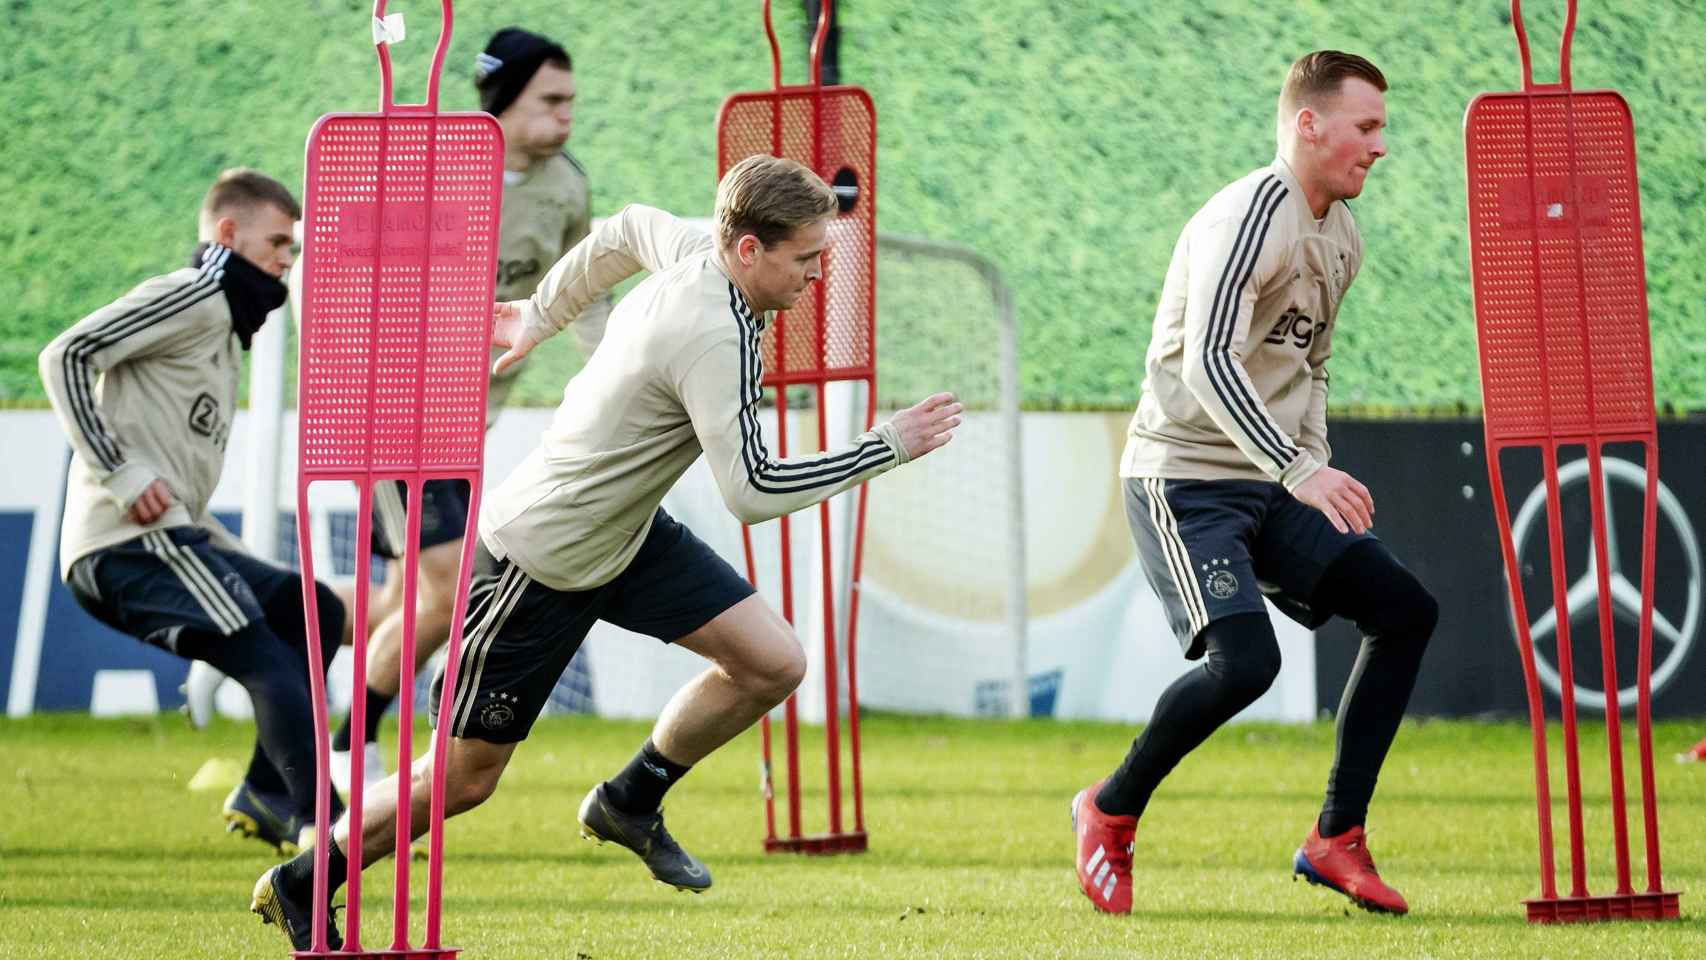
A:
(1337, 494)
(509, 331)
(928, 425)
(154, 500)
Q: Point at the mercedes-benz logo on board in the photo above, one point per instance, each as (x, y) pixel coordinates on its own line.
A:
(1677, 593)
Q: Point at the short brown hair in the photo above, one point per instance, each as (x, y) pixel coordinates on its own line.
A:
(246, 188)
(769, 197)
(1320, 74)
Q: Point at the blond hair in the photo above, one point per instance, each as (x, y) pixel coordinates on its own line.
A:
(1320, 75)
(769, 197)
(243, 188)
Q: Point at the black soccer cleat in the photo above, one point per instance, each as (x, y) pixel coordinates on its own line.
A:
(646, 836)
(264, 817)
(294, 917)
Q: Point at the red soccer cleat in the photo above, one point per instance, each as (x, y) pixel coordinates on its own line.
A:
(1694, 754)
(1104, 852)
(1343, 863)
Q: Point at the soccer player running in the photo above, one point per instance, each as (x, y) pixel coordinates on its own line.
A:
(527, 81)
(576, 535)
(146, 389)
(1230, 496)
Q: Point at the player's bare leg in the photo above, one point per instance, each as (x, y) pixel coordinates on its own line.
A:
(756, 663)
(379, 604)
(471, 774)
(435, 596)
(284, 894)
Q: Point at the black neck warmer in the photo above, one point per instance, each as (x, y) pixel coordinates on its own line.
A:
(252, 292)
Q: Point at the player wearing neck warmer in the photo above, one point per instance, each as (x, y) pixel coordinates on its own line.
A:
(146, 389)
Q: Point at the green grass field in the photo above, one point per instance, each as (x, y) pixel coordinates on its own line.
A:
(103, 851)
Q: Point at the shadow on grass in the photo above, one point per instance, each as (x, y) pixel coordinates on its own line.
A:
(77, 862)
(254, 854)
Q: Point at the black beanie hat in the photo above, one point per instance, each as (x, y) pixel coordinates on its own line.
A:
(511, 58)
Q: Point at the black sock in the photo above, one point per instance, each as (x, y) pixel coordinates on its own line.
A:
(640, 787)
(296, 876)
(341, 736)
(377, 704)
(1333, 822)
(1242, 659)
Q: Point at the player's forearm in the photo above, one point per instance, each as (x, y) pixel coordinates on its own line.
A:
(1220, 385)
(1312, 434)
(69, 381)
(578, 280)
(758, 488)
(637, 238)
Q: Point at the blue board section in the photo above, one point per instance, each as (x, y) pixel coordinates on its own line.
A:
(14, 558)
(75, 646)
(1044, 689)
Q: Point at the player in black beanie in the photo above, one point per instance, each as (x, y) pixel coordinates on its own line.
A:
(527, 82)
(509, 61)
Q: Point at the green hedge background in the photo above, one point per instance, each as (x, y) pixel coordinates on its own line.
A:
(1066, 140)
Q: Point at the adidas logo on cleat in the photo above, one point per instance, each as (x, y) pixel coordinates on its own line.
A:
(1105, 846)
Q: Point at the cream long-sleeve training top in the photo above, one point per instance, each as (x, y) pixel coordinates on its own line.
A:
(1236, 384)
(678, 373)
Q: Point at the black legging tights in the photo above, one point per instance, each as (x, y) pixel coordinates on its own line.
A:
(269, 658)
(1396, 615)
